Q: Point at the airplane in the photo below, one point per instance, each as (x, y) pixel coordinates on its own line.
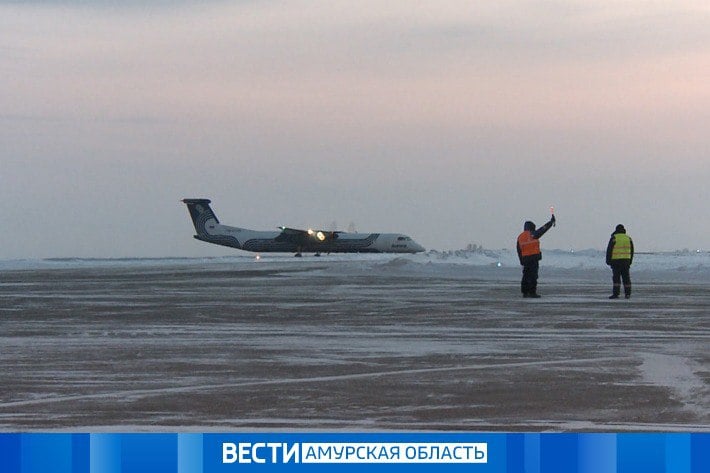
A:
(292, 240)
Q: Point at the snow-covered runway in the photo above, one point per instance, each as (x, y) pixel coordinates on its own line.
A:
(437, 341)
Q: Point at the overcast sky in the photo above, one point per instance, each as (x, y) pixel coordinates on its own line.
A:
(451, 121)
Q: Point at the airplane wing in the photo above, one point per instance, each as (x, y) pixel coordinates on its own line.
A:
(298, 236)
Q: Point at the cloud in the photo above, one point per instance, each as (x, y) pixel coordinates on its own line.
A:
(449, 108)
(366, 67)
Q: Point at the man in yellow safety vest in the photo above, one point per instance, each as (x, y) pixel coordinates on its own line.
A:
(619, 255)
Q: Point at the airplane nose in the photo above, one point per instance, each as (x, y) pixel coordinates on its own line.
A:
(418, 247)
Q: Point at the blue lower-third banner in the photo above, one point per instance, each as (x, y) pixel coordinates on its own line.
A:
(266, 452)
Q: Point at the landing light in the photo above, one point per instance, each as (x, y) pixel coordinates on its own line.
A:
(310, 231)
(320, 236)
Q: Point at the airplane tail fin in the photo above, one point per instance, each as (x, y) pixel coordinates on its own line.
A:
(201, 213)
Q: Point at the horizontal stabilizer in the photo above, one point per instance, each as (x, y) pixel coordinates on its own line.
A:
(201, 212)
(197, 201)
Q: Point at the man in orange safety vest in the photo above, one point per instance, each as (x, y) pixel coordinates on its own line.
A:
(530, 255)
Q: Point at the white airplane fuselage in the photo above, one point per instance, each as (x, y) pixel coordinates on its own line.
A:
(287, 240)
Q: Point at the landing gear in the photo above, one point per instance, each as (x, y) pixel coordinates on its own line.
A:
(317, 254)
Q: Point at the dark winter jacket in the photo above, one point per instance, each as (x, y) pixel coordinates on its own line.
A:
(612, 242)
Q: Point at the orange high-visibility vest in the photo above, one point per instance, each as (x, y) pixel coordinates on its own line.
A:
(529, 246)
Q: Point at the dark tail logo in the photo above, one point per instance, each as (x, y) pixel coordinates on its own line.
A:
(201, 213)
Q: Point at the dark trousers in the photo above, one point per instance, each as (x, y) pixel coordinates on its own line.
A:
(620, 271)
(529, 283)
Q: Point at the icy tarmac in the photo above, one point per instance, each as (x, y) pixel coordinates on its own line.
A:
(354, 343)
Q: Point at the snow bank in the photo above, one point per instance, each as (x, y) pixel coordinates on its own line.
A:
(585, 259)
(434, 261)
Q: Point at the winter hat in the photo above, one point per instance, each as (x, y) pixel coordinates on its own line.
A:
(620, 229)
(529, 226)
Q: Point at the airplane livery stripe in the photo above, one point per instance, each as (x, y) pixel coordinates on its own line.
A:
(335, 246)
(268, 245)
(201, 221)
(223, 240)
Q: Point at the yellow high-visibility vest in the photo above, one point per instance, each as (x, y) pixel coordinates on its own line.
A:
(622, 247)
